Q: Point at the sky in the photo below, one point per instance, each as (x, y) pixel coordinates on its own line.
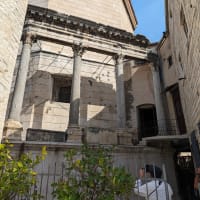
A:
(151, 18)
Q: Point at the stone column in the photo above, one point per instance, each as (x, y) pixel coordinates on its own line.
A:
(124, 136)
(158, 101)
(76, 84)
(161, 120)
(13, 126)
(74, 132)
(119, 73)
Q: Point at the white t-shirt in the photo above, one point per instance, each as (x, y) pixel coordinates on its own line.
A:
(153, 190)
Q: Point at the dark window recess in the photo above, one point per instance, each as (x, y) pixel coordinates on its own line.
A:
(170, 61)
(178, 109)
(170, 13)
(147, 121)
(62, 89)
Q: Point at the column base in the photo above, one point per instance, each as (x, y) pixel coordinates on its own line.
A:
(12, 130)
(75, 135)
(124, 137)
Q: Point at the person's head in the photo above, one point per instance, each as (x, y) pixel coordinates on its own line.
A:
(154, 171)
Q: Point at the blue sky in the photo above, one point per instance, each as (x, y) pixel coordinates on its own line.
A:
(151, 18)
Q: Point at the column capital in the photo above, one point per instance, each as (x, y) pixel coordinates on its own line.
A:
(153, 58)
(78, 49)
(28, 37)
(118, 58)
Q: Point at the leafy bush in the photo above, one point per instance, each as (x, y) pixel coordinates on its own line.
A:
(17, 175)
(90, 175)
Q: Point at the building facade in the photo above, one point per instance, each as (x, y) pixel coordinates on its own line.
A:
(182, 38)
(82, 75)
(48, 95)
(180, 68)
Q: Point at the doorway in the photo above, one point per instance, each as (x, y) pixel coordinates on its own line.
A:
(147, 121)
(185, 174)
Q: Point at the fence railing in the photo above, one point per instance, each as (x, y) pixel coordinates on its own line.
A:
(46, 176)
(159, 127)
(56, 171)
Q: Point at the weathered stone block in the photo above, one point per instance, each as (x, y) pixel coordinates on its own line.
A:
(75, 135)
(13, 130)
(45, 135)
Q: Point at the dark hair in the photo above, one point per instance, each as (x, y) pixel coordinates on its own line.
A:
(154, 171)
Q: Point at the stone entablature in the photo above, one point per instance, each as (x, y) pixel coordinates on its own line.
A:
(64, 35)
(82, 25)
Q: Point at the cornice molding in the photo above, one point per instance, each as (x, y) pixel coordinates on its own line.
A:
(64, 21)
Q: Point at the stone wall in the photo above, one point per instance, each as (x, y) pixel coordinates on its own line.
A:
(110, 12)
(11, 22)
(184, 37)
(169, 77)
(170, 73)
(139, 90)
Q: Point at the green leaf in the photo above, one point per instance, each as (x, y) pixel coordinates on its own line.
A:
(92, 175)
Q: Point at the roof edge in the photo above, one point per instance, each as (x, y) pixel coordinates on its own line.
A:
(131, 13)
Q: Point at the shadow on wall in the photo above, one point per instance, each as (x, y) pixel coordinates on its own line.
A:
(97, 109)
(37, 93)
(98, 104)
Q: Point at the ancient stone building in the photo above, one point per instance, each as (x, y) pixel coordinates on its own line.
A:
(106, 51)
(82, 75)
(179, 52)
(182, 41)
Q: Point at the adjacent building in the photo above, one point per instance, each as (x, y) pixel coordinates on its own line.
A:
(12, 20)
(180, 68)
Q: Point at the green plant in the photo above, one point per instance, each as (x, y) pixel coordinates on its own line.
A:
(17, 175)
(90, 175)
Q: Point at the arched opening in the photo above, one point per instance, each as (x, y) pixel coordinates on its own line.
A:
(147, 121)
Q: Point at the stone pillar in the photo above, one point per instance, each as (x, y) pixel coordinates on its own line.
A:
(13, 127)
(119, 73)
(11, 23)
(76, 84)
(161, 121)
(74, 133)
(158, 101)
(124, 135)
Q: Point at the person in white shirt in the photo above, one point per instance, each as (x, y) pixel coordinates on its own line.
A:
(154, 188)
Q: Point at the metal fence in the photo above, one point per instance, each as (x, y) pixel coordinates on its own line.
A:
(150, 188)
(45, 178)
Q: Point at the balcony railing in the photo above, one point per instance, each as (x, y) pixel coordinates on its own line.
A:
(159, 127)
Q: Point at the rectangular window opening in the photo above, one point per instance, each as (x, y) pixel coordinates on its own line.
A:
(170, 61)
(62, 89)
